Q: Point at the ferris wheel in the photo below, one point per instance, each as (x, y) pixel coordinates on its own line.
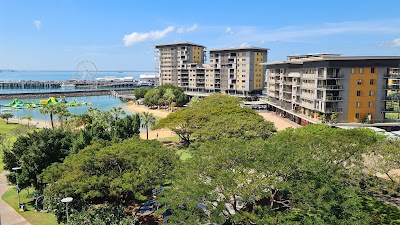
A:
(86, 70)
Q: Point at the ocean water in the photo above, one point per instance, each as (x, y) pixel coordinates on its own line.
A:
(100, 102)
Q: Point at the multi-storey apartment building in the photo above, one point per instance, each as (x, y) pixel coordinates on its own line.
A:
(356, 89)
(174, 61)
(231, 70)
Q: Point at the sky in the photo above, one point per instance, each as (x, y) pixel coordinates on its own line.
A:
(118, 35)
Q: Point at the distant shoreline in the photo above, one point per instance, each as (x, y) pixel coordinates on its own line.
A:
(60, 93)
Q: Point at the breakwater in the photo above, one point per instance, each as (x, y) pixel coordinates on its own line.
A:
(63, 93)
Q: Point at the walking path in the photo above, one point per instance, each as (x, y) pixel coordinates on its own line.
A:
(8, 216)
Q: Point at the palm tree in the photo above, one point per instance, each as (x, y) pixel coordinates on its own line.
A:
(27, 117)
(50, 109)
(169, 97)
(147, 121)
(116, 112)
(61, 112)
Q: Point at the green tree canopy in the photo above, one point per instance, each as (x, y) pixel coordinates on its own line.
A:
(141, 92)
(35, 152)
(6, 116)
(217, 116)
(298, 176)
(110, 173)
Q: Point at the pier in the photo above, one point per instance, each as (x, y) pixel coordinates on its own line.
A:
(67, 94)
(57, 84)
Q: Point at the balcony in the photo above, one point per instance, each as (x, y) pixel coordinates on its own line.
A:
(330, 87)
(287, 90)
(307, 96)
(334, 110)
(392, 98)
(391, 109)
(309, 76)
(308, 105)
(335, 76)
(391, 87)
(296, 84)
(308, 86)
(331, 98)
(285, 82)
(392, 75)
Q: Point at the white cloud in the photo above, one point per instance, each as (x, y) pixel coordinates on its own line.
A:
(37, 24)
(245, 44)
(392, 44)
(229, 30)
(192, 28)
(136, 37)
(180, 30)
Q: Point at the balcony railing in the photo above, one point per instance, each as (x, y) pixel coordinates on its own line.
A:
(330, 98)
(330, 87)
(308, 86)
(391, 109)
(287, 82)
(391, 98)
(392, 75)
(335, 76)
(287, 90)
(296, 84)
(333, 110)
(307, 105)
(392, 87)
(308, 76)
(307, 96)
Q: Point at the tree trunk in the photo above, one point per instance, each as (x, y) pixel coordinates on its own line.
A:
(51, 119)
(147, 132)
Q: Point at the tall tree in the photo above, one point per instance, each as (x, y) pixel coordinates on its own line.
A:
(169, 97)
(50, 109)
(148, 121)
(6, 116)
(62, 113)
(27, 117)
(117, 112)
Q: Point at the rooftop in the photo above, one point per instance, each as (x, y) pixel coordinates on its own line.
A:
(178, 43)
(251, 48)
(299, 59)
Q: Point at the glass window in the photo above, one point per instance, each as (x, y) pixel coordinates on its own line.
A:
(358, 93)
(359, 82)
(357, 115)
(372, 70)
(358, 104)
(371, 81)
(371, 93)
(352, 70)
(370, 104)
(360, 70)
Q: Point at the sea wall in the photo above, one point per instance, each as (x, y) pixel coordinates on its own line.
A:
(58, 94)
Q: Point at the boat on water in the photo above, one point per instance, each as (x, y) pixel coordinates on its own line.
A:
(66, 86)
(145, 84)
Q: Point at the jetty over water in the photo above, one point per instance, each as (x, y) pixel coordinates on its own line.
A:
(57, 84)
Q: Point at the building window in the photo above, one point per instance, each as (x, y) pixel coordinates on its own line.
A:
(370, 104)
(358, 93)
(360, 70)
(371, 93)
(359, 82)
(357, 115)
(358, 104)
(352, 70)
(371, 81)
(372, 69)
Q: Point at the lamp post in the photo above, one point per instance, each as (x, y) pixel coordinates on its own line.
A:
(16, 169)
(66, 201)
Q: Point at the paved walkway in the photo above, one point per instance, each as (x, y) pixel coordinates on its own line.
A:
(8, 216)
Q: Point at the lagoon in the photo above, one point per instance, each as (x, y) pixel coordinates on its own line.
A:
(103, 103)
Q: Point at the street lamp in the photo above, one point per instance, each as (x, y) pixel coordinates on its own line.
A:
(66, 201)
(16, 169)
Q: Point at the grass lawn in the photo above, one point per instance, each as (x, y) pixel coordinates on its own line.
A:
(35, 218)
(5, 129)
(174, 138)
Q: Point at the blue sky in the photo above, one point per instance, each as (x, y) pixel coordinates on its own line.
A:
(117, 35)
